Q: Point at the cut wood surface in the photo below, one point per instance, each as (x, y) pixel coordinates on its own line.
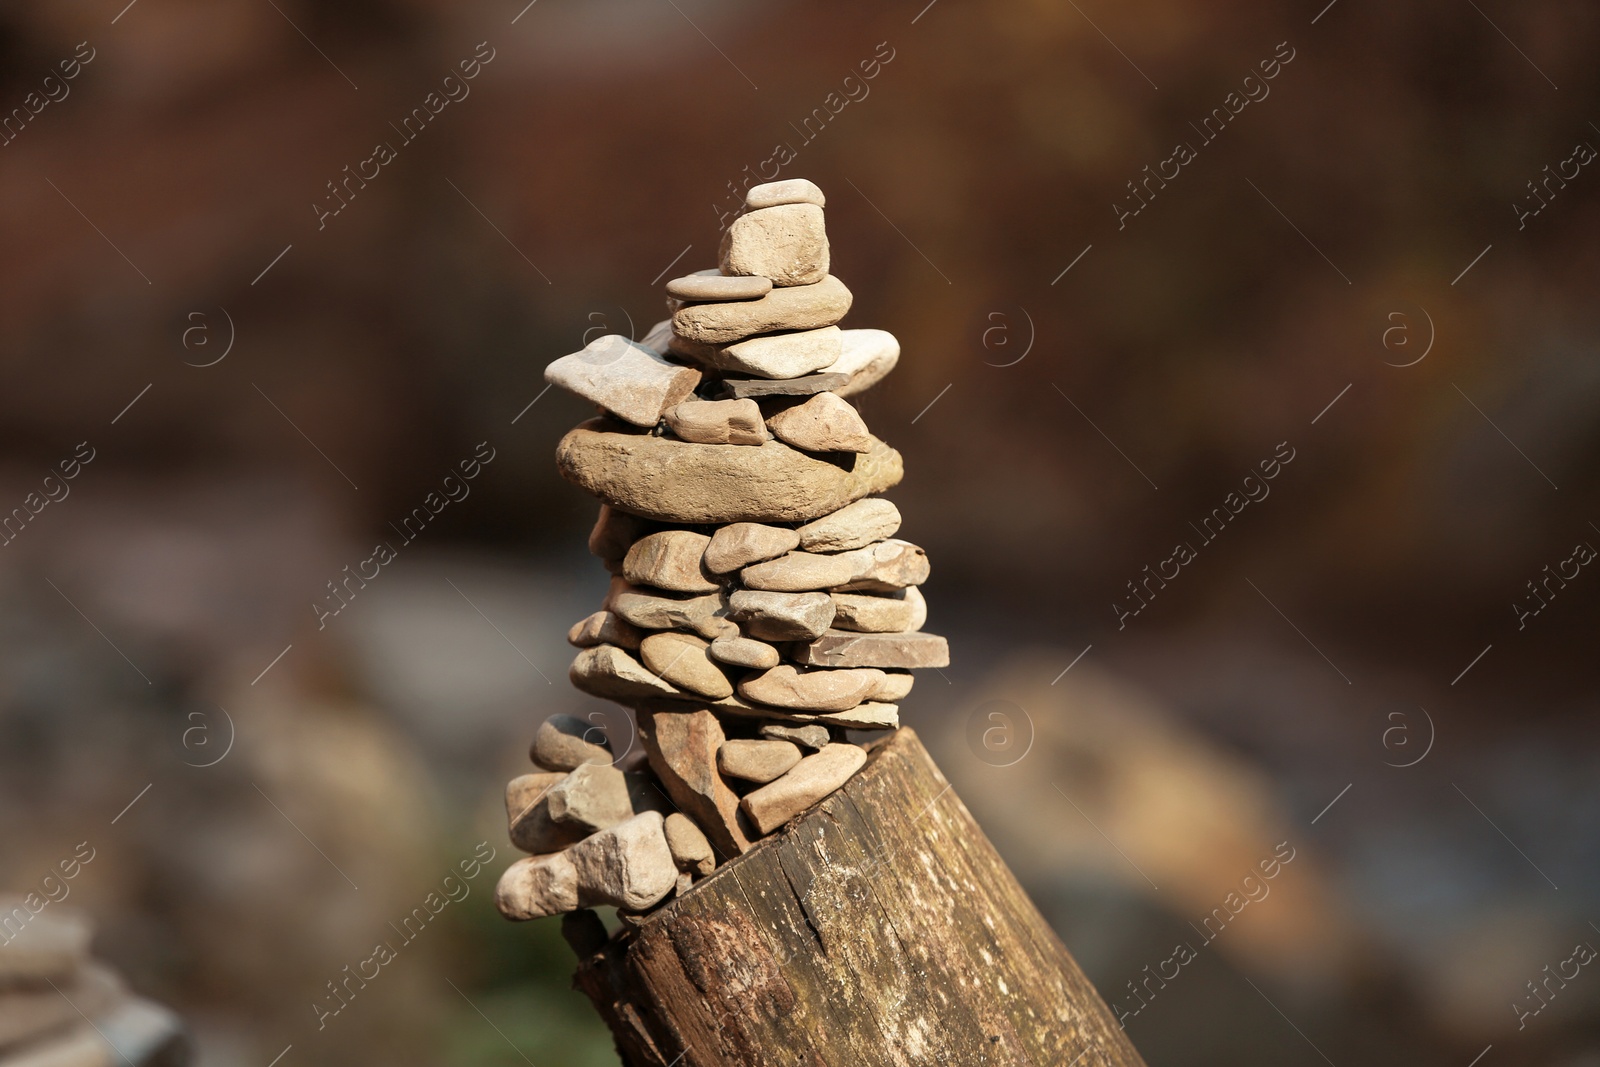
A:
(880, 927)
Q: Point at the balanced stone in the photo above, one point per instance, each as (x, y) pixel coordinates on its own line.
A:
(824, 423)
(787, 191)
(682, 747)
(786, 686)
(627, 866)
(781, 616)
(604, 628)
(886, 566)
(799, 572)
(896, 686)
(867, 358)
(809, 385)
(744, 652)
(615, 532)
(680, 482)
(609, 673)
(669, 560)
(906, 651)
(626, 379)
(649, 612)
(537, 886)
(812, 778)
(528, 821)
(690, 849)
(900, 612)
(718, 422)
(773, 355)
(852, 526)
(812, 737)
(714, 285)
(742, 543)
(591, 797)
(787, 243)
(756, 761)
(792, 307)
(681, 659)
(563, 742)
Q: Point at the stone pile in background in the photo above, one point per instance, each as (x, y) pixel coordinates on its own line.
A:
(760, 604)
(59, 1008)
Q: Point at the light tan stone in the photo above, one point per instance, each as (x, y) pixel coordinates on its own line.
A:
(669, 560)
(604, 628)
(812, 779)
(647, 611)
(824, 423)
(781, 616)
(885, 567)
(799, 572)
(787, 191)
(812, 737)
(538, 886)
(528, 820)
(786, 686)
(628, 865)
(787, 243)
(896, 687)
(744, 652)
(794, 307)
(756, 761)
(903, 651)
(855, 525)
(866, 357)
(627, 379)
(691, 851)
(563, 742)
(714, 285)
(772, 356)
(741, 543)
(591, 797)
(719, 422)
(902, 611)
(609, 673)
(681, 659)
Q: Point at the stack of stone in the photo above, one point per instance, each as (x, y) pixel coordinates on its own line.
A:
(59, 1008)
(761, 605)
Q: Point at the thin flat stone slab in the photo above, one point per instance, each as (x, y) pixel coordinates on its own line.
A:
(787, 191)
(712, 284)
(669, 559)
(866, 359)
(773, 355)
(786, 686)
(852, 526)
(682, 660)
(904, 651)
(537, 886)
(627, 866)
(756, 761)
(740, 544)
(754, 387)
(609, 673)
(627, 379)
(893, 613)
(674, 481)
(812, 779)
(781, 616)
(682, 747)
(825, 423)
(563, 742)
(793, 307)
(787, 243)
(718, 422)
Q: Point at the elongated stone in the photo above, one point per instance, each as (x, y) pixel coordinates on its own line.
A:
(781, 616)
(669, 560)
(608, 672)
(627, 379)
(865, 359)
(538, 886)
(793, 307)
(773, 355)
(855, 525)
(718, 422)
(744, 652)
(682, 748)
(681, 659)
(676, 481)
(741, 543)
(799, 572)
(627, 866)
(714, 285)
(901, 651)
(756, 761)
(811, 779)
(787, 191)
(604, 628)
(824, 423)
(563, 742)
(785, 686)
(809, 385)
(900, 612)
(647, 611)
(690, 849)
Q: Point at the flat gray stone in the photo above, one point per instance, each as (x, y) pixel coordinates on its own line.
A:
(793, 307)
(741, 543)
(787, 191)
(825, 423)
(682, 660)
(563, 742)
(754, 387)
(901, 651)
(604, 628)
(626, 866)
(536, 887)
(855, 525)
(714, 285)
(718, 422)
(669, 559)
(756, 761)
(591, 797)
(786, 686)
(675, 481)
(627, 379)
(866, 358)
(744, 652)
(813, 737)
(691, 851)
(781, 616)
(812, 779)
(787, 243)
(890, 613)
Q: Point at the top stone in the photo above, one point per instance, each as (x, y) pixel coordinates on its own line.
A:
(788, 191)
(788, 244)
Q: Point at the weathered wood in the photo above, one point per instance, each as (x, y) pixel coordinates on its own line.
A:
(879, 928)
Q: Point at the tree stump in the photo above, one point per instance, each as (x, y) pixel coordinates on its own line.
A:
(881, 927)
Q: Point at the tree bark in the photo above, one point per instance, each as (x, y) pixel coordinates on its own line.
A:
(880, 927)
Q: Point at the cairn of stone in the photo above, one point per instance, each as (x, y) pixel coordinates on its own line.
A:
(60, 1008)
(760, 605)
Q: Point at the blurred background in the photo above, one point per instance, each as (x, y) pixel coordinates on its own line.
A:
(1380, 262)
